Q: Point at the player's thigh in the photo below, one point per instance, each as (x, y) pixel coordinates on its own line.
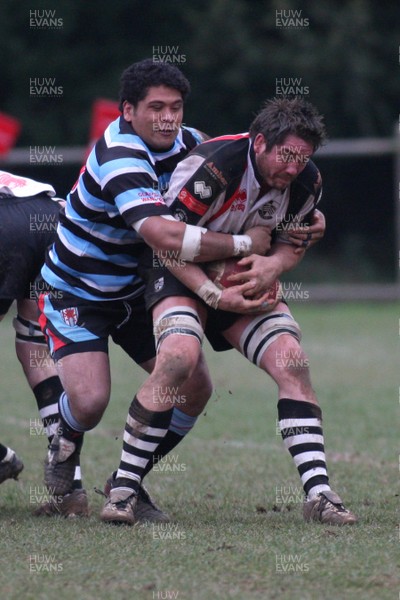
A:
(254, 336)
(85, 377)
(31, 347)
(28, 309)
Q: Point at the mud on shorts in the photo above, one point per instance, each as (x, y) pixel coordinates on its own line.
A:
(72, 325)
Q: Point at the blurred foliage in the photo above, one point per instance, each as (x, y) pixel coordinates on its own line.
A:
(233, 52)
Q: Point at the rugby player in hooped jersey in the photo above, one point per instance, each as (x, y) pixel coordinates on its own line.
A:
(264, 177)
(91, 269)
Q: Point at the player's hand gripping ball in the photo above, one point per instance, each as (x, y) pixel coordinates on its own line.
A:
(219, 271)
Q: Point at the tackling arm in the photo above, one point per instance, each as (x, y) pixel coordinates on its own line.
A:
(196, 244)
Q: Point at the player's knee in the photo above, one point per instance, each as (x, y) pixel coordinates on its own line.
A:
(87, 401)
(290, 359)
(179, 335)
(267, 334)
(177, 359)
(89, 412)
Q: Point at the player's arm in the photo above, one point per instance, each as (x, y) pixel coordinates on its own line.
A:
(192, 192)
(196, 244)
(133, 187)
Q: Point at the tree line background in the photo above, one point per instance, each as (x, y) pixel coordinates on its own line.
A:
(343, 57)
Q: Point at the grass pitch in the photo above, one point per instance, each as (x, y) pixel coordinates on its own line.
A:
(230, 487)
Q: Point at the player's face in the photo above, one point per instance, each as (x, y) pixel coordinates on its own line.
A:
(280, 165)
(158, 117)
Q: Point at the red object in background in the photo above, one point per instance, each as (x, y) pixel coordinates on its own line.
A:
(103, 112)
(10, 128)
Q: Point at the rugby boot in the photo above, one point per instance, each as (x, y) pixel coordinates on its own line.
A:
(60, 463)
(119, 508)
(327, 507)
(73, 504)
(146, 509)
(10, 469)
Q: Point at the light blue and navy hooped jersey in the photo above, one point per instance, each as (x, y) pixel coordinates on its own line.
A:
(95, 255)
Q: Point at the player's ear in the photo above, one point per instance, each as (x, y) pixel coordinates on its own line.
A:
(128, 110)
(260, 144)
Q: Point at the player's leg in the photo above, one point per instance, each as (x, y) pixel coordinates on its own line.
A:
(81, 357)
(191, 399)
(272, 342)
(137, 340)
(178, 333)
(193, 396)
(41, 374)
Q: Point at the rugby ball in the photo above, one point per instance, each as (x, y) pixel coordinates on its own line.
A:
(219, 271)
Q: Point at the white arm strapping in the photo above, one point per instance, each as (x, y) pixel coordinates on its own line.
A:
(242, 245)
(191, 243)
(209, 293)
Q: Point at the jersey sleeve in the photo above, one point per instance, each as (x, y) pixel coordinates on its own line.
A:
(131, 184)
(193, 189)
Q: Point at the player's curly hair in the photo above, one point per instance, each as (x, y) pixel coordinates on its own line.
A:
(281, 117)
(140, 76)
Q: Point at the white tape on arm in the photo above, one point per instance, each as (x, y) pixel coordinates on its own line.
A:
(209, 293)
(191, 243)
(242, 245)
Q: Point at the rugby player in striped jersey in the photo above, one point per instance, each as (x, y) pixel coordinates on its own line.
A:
(230, 184)
(91, 271)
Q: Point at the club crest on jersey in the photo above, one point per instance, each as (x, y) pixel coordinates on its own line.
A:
(159, 284)
(70, 316)
(267, 210)
(202, 190)
(180, 215)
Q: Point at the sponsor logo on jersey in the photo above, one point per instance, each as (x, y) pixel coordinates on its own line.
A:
(190, 201)
(215, 173)
(267, 210)
(151, 197)
(70, 316)
(202, 190)
(239, 203)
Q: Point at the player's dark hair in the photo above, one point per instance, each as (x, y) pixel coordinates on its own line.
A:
(140, 76)
(281, 117)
